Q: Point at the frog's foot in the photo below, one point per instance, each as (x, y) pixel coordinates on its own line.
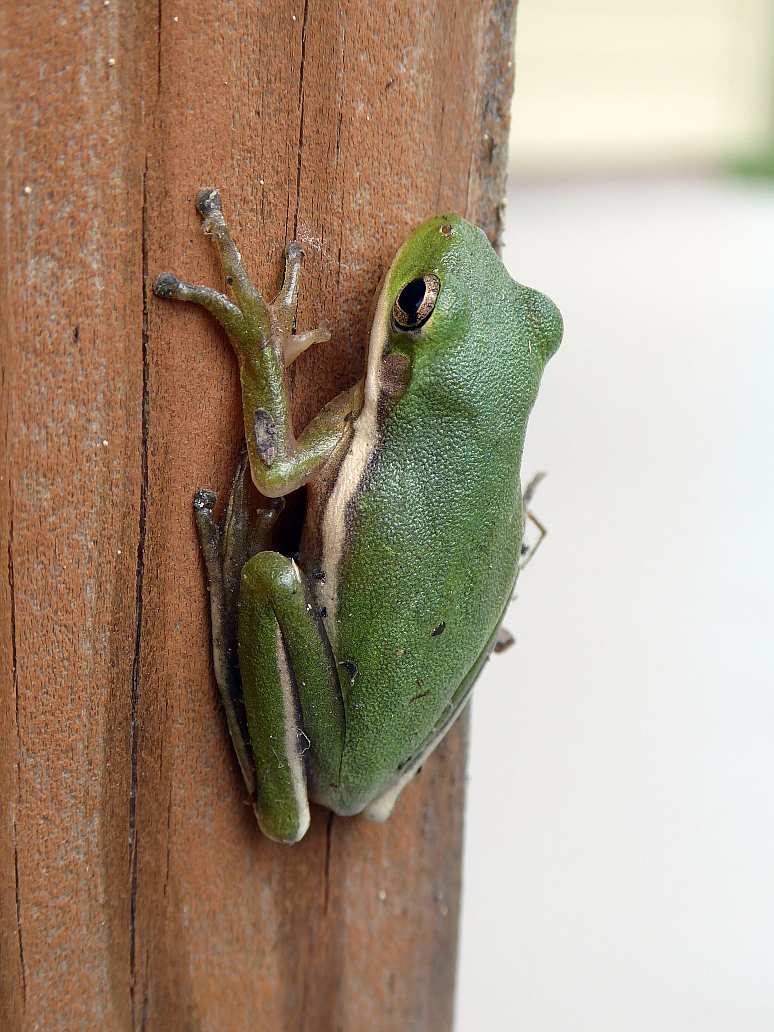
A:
(226, 546)
(167, 285)
(250, 322)
(527, 551)
(504, 640)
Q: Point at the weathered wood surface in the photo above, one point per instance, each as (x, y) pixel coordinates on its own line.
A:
(135, 891)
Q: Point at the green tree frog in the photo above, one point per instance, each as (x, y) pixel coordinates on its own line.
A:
(342, 667)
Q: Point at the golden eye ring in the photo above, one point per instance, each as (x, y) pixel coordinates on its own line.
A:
(415, 303)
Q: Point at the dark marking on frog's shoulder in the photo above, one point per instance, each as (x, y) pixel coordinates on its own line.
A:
(265, 432)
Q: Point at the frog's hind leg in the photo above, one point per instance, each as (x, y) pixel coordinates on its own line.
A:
(224, 656)
(292, 695)
(225, 548)
(527, 551)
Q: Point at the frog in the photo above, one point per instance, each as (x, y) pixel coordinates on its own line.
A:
(342, 665)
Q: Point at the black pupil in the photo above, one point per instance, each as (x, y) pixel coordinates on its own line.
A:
(411, 297)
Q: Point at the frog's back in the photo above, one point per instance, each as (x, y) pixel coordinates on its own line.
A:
(434, 566)
(433, 521)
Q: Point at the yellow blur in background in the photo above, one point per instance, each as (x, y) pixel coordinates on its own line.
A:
(620, 819)
(624, 85)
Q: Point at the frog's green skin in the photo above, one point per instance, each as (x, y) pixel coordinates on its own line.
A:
(354, 661)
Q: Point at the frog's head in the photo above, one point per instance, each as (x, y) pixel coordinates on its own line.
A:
(448, 304)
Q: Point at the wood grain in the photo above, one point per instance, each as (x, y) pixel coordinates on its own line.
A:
(135, 891)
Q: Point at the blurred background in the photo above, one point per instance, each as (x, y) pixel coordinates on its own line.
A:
(620, 825)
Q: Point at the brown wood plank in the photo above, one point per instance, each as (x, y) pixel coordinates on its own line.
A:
(71, 424)
(135, 890)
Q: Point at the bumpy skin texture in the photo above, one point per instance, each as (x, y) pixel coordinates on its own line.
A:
(434, 526)
(340, 673)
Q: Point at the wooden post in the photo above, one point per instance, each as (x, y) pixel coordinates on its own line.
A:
(135, 889)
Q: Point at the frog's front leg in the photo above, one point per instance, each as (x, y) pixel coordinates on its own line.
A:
(264, 342)
(295, 711)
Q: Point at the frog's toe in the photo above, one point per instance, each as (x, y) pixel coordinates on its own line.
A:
(204, 500)
(166, 285)
(297, 343)
(208, 201)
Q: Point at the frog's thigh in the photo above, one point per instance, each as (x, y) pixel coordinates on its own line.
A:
(290, 690)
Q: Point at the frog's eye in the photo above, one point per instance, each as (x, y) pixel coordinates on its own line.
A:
(415, 303)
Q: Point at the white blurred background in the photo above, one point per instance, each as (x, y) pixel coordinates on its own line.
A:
(619, 870)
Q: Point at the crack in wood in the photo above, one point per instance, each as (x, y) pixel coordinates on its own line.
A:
(12, 607)
(20, 937)
(138, 600)
(301, 118)
(15, 679)
(145, 1000)
(327, 864)
(158, 48)
(169, 848)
